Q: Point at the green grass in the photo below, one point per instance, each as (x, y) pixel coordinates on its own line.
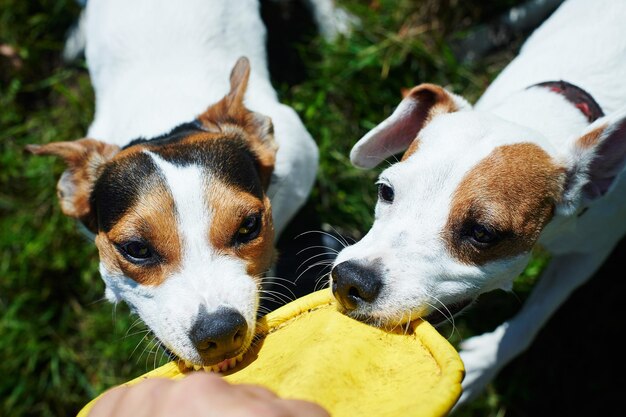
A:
(60, 343)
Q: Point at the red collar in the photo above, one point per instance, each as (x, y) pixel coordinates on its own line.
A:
(581, 99)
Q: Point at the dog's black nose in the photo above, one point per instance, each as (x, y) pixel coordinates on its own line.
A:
(354, 284)
(218, 335)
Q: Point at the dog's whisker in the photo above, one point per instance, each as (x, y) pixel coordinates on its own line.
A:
(449, 317)
(320, 284)
(408, 324)
(157, 355)
(324, 263)
(282, 297)
(263, 311)
(163, 353)
(138, 344)
(331, 250)
(339, 238)
(268, 278)
(286, 288)
(148, 352)
(99, 300)
(344, 239)
(331, 253)
(313, 257)
(135, 333)
(135, 323)
(265, 298)
(152, 352)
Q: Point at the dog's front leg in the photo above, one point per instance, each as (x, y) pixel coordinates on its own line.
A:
(485, 355)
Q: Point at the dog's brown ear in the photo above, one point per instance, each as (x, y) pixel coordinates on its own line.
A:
(85, 159)
(398, 132)
(231, 111)
(595, 159)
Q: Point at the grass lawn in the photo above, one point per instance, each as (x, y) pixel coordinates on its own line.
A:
(61, 343)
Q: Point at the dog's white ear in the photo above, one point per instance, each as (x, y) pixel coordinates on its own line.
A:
(85, 159)
(231, 110)
(594, 160)
(396, 133)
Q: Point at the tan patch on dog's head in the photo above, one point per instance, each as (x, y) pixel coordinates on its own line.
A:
(152, 220)
(230, 207)
(513, 191)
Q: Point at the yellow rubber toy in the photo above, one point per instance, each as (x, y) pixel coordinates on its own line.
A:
(309, 350)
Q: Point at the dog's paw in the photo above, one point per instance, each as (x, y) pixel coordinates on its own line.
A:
(482, 362)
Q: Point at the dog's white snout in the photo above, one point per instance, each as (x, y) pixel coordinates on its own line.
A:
(218, 335)
(355, 284)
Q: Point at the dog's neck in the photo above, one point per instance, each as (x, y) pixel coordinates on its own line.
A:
(579, 98)
(557, 115)
(124, 114)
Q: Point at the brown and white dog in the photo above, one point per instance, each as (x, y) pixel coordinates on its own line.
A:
(190, 170)
(539, 160)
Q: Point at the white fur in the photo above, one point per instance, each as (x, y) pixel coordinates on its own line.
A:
(206, 277)
(583, 43)
(155, 64)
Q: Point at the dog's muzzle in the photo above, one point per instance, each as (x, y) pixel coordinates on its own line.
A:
(355, 285)
(218, 335)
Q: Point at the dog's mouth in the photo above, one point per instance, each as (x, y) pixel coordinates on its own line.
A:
(435, 318)
(445, 313)
(185, 365)
(222, 366)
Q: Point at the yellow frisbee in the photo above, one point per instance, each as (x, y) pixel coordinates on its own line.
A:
(308, 350)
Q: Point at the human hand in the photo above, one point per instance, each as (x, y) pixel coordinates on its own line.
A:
(199, 394)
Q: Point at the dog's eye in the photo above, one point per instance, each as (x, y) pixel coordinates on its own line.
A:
(137, 251)
(483, 235)
(385, 193)
(248, 229)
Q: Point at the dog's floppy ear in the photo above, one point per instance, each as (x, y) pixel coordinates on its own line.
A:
(85, 159)
(231, 110)
(396, 133)
(594, 160)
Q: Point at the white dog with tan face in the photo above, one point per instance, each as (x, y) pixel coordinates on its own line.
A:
(191, 169)
(539, 160)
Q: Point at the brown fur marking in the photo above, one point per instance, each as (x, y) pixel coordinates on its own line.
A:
(433, 101)
(230, 207)
(513, 190)
(590, 139)
(85, 159)
(413, 147)
(153, 219)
